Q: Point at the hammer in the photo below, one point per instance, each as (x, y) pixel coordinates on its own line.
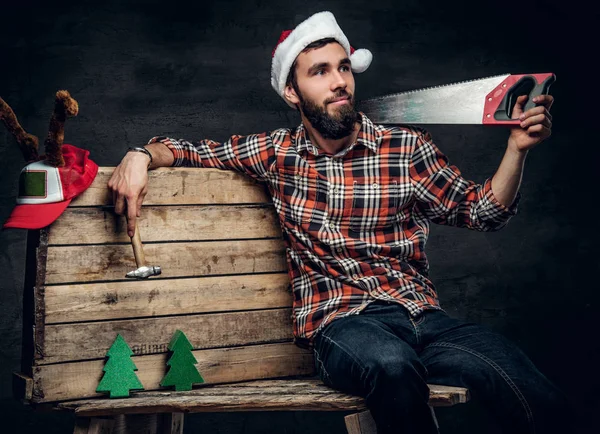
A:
(143, 271)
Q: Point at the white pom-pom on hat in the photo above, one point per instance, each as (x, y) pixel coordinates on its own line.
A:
(360, 59)
(291, 43)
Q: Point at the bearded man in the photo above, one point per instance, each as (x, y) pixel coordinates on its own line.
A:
(355, 201)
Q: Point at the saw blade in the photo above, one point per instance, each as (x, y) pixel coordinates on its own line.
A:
(456, 103)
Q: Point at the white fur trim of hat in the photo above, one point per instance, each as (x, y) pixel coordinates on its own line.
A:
(291, 43)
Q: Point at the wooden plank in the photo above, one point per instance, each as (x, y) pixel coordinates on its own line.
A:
(83, 341)
(166, 223)
(29, 300)
(446, 396)
(439, 395)
(285, 395)
(70, 264)
(360, 423)
(78, 380)
(39, 313)
(182, 186)
(22, 386)
(151, 297)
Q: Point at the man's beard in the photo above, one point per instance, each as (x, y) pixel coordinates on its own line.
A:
(336, 126)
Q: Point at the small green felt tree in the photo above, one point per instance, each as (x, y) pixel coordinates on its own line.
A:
(182, 364)
(119, 376)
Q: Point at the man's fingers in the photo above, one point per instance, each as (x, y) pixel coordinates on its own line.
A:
(543, 104)
(536, 111)
(544, 100)
(547, 113)
(119, 202)
(138, 208)
(541, 119)
(518, 108)
(128, 187)
(131, 217)
(539, 130)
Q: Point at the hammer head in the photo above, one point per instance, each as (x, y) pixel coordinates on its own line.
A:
(144, 272)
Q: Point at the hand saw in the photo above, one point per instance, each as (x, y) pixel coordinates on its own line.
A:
(487, 101)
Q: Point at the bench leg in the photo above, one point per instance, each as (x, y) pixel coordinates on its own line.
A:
(171, 423)
(363, 423)
(360, 423)
(434, 418)
(93, 425)
(163, 423)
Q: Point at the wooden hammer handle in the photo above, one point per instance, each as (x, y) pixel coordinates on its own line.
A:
(138, 250)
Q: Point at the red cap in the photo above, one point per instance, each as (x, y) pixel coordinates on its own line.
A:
(46, 191)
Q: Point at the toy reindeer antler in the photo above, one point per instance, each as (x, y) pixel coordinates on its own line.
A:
(27, 142)
(64, 106)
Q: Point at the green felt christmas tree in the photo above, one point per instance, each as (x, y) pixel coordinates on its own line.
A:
(182, 364)
(119, 371)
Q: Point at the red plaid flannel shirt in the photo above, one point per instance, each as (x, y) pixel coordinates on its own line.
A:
(355, 223)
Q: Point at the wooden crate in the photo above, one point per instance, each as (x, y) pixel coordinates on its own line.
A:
(224, 284)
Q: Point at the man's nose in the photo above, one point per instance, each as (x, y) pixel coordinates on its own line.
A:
(338, 81)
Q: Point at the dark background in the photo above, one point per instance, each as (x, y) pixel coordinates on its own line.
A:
(202, 70)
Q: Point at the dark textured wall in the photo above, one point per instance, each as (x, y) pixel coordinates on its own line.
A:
(202, 70)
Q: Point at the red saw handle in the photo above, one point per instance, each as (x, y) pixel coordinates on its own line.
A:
(499, 103)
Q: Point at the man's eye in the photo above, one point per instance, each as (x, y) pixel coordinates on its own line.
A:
(320, 72)
(344, 68)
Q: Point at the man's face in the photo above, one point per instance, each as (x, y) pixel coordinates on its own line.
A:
(325, 90)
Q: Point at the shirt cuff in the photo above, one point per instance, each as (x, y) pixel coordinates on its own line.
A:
(174, 147)
(498, 210)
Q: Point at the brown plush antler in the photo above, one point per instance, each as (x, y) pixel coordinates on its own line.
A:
(64, 106)
(27, 142)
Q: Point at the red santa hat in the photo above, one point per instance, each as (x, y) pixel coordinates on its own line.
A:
(291, 43)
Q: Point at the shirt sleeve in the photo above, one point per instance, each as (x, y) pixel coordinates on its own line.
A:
(445, 197)
(252, 155)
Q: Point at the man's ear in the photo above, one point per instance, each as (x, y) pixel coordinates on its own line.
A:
(290, 94)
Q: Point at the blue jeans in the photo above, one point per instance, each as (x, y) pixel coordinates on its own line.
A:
(388, 357)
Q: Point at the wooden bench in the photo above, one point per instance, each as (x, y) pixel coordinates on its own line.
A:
(224, 284)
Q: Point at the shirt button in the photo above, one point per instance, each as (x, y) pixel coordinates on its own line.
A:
(375, 185)
(336, 190)
(332, 226)
(297, 176)
(339, 249)
(355, 276)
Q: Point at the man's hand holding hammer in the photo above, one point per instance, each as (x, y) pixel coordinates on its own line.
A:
(129, 181)
(129, 186)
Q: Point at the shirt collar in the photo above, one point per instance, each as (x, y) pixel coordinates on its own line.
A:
(368, 136)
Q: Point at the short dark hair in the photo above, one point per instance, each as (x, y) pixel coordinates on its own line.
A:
(291, 78)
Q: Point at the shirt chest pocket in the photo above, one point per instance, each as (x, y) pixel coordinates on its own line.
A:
(374, 204)
(298, 193)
